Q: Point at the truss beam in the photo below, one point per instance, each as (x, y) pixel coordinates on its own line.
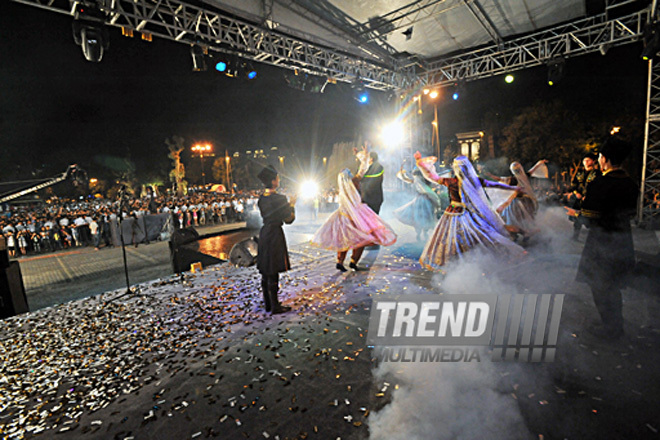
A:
(185, 23)
(577, 38)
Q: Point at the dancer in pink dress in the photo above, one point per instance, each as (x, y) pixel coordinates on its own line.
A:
(469, 222)
(353, 225)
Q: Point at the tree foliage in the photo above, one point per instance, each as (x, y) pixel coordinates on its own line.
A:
(546, 131)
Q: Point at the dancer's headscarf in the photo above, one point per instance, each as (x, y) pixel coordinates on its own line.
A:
(474, 197)
(523, 182)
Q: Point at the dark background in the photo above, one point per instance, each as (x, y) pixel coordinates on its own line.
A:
(56, 108)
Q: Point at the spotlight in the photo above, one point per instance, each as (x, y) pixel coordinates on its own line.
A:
(555, 71)
(651, 40)
(392, 134)
(197, 54)
(308, 190)
(509, 79)
(250, 71)
(408, 33)
(359, 92)
(90, 33)
(221, 65)
(603, 48)
(362, 96)
(459, 90)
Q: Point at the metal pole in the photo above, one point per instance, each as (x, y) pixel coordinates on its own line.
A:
(640, 201)
(201, 159)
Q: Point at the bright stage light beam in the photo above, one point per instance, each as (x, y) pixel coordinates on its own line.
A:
(308, 190)
(392, 134)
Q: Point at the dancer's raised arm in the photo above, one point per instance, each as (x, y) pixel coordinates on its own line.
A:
(425, 165)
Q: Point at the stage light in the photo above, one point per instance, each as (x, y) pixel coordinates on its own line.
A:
(509, 79)
(433, 94)
(455, 96)
(555, 71)
(197, 54)
(249, 70)
(90, 33)
(362, 97)
(392, 134)
(651, 39)
(221, 66)
(308, 189)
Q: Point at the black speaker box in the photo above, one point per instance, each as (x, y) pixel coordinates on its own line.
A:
(12, 292)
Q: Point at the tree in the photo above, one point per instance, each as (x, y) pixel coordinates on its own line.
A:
(178, 170)
(545, 131)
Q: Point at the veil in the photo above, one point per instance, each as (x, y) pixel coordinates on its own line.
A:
(348, 194)
(474, 197)
(523, 182)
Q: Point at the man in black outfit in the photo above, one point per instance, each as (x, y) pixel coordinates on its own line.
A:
(272, 256)
(579, 184)
(608, 253)
(371, 185)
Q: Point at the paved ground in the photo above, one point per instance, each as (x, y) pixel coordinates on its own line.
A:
(201, 359)
(54, 278)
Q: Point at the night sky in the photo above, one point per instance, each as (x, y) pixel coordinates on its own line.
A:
(56, 108)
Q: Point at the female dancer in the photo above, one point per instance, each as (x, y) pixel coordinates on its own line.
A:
(469, 221)
(420, 212)
(519, 210)
(353, 225)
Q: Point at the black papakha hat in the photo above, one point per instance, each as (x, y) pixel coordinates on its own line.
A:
(267, 175)
(591, 156)
(615, 149)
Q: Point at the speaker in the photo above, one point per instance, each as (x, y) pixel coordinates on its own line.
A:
(244, 253)
(183, 236)
(4, 253)
(12, 292)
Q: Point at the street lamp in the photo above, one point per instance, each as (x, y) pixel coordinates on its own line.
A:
(201, 150)
(227, 164)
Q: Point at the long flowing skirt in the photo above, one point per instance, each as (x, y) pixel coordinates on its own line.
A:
(340, 232)
(457, 233)
(521, 213)
(418, 213)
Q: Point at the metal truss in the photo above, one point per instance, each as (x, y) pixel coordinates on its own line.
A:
(648, 211)
(577, 38)
(186, 23)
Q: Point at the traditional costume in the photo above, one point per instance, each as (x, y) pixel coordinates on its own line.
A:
(519, 210)
(420, 213)
(608, 253)
(273, 256)
(353, 225)
(371, 185)
(469, 222)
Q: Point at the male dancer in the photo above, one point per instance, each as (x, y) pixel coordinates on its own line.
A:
(608, 253)
(272, 256)
(579, 188)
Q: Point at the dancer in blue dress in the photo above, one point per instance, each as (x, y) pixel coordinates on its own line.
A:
(469, 222)
(420, 213)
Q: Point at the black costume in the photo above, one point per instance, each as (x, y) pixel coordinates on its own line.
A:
(608, 253)
(371, 186)
(272, 257)
(579, 184)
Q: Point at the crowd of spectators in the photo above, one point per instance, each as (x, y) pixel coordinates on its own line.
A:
(59, 224)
